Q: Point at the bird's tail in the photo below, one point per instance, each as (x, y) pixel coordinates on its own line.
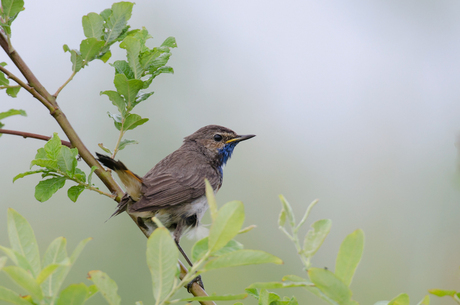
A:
(130, 180)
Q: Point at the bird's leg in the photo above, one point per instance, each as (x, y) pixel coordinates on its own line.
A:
(183, 253)
(196, 279)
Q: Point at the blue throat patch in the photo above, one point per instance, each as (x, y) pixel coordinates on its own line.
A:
(225, 153)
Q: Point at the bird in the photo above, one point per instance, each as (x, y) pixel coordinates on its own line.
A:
(174, 189)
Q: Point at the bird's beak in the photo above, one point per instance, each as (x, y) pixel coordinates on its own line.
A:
(240, 138)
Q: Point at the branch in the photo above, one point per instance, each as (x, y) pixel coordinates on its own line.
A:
(65, 84)
(32, 135)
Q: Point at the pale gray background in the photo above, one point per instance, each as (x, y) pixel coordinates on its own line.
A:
(353, 102)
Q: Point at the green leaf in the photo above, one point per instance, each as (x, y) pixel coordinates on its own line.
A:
(132, 121)
(330, 285)
(316, 236)
(90, 176)
(211, 200)
(425, 301)
(116, 99)
(247, 229)
(162, 256)
(201, 247)
(12, 112)
(75, 294)
(90, 48)
(80, 175)
(122, 67)
(241, 258)
(92, 290)
(105, 56)
(349, 256)
(228, 222)
(402, 299)
(46, 188)
(105, 14)
(49, 164)
(22, 175)
(116, 22)
(133, 48)
(128, 88)
(142, 97)
(157, 63)
(288, 210)
(125, 142)
(53, 147)
(293, 278)
(74, 192)
(116, 119)
(25, 280)
(55, 254)
(106, 286)
(266, 298)
(12, 297)
(3, 80)
(169, 42)
(13, 91)
(3, 260)
(67, 160)
(104, 148)
(12, 7)
(41, 154)
(93, 25)
(282, 218)
(48, 271)
(228, 297)
(142, 35)
(254, 292)
(75, 58)
(17, 258)
(76, 253)
(442, 292)
(22, 239)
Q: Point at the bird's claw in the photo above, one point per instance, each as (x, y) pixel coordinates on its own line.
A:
(195, 280)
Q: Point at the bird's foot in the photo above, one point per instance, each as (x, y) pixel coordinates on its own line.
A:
(195, 280)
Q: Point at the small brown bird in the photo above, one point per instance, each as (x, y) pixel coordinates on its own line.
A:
(174, 190)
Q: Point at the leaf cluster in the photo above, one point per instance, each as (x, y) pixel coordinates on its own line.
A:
(101, 31)
(332, 287)
(40, 278)
(134, 75)
(60, 163)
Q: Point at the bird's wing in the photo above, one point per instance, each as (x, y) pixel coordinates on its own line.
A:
(165, 189)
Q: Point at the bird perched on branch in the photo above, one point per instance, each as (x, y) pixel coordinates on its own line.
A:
(174, 190)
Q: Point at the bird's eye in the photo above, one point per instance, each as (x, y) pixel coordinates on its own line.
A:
(217, 137)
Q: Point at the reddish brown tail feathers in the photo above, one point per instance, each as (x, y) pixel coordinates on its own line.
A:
(111, 163)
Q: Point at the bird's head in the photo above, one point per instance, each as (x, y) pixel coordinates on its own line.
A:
(218, 141)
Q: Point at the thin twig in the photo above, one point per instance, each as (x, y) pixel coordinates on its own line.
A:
(28, 88)
(32, 135)
(6, 87)
(119, 140)
(65, 84)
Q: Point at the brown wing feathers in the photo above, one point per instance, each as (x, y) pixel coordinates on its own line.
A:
(130, 180)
